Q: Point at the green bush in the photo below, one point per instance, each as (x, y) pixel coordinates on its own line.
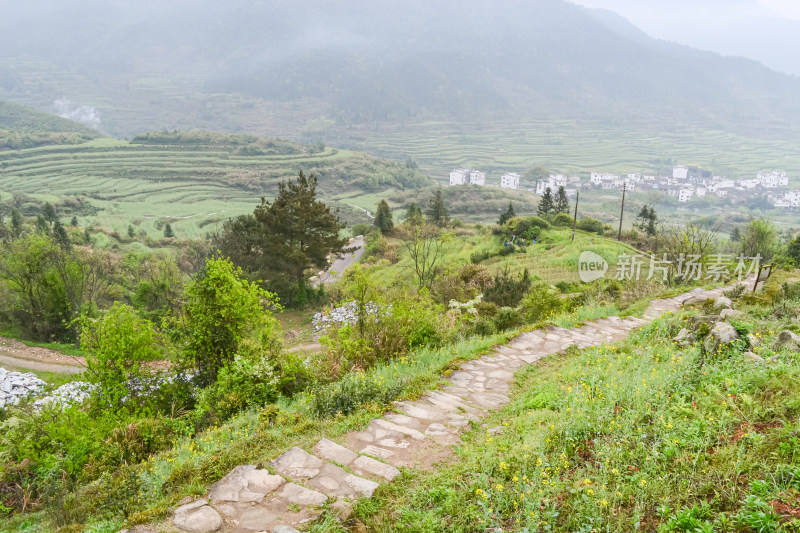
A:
(240, 384)
(351, 393)
(508, 290)
(534, 232)
(483, 326)
(541, 301)
(562, 219)
(507, 318)
(119, 345)
(520, 225)
(478, 257)
(592, 225)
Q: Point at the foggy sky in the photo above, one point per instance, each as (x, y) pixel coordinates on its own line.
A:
(765, 30)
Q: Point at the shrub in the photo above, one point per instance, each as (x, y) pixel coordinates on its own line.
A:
(222, 309)
(462, 285)
(507, 318)
(562, 219)
(592, 225)
(483, 326)
(240, 384)
(520, 225)
(534, 232)
(541, 301)
(361, 229)
(351, 393)
(119, 345)
(508, 291)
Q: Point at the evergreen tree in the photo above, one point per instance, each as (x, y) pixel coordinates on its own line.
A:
(41, 225)
(298, 231)
(383, 217)
(131, 232)
(16, 223)
(437, 211)
(561, 202)
(168, 233)
(546, 205)
(49, 213)
(793, 250)
(413, 214)
(61, 236)
(507, 215)
(736, 234)
(74, 221)
(646, 220)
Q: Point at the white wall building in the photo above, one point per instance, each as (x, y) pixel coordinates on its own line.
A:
(466, 176)
(510, 180)
(459, 176)
(476, 177)
(680, 172)
(685, 194)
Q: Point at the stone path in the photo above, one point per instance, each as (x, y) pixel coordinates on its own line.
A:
(415, 435)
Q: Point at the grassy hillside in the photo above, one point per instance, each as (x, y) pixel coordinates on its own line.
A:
(23, 127)
(189, 179)
(643, 435)
(553, 258)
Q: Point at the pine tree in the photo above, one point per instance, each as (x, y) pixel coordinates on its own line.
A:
(437, 211)
(413, 213)
(651, 229)
(74, 221)
(736, 234)
(383, 217)
(49, 213)
(16, 223)
(131, 232)
(561, 202)
(507, 215)
(168, 233)
(61, 236)
(546, 205)
(298, 231)
(41, 224)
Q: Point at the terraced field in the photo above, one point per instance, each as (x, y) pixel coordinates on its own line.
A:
(568, 146)
(189, 186)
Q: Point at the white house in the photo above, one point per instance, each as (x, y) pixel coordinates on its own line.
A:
(792, 198)
(466, 176)
(680, 172)
(773, 179)
(459, 176)
(510, 180)
(476, 177)
(685, 194)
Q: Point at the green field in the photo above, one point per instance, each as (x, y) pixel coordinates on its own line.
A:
(189, 186)
(570, 146)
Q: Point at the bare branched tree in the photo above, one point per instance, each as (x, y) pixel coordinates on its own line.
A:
(426, 245)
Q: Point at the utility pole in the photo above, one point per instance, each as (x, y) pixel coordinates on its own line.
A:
(622, 210)
(575, 218)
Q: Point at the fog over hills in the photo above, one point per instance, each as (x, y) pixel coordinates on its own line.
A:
(181, 64)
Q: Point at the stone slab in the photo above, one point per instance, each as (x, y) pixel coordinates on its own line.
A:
(297, 464)
(368, 466)
(329, 450)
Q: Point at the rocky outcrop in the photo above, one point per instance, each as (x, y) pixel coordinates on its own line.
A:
(721, 335)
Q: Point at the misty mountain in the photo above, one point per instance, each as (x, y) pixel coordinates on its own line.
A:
(363, 61)
(23, 127)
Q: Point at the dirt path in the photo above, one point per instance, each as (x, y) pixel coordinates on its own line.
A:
(340, 265)
(14, 353)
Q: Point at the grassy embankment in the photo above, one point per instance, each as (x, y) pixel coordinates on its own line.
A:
(642, 435)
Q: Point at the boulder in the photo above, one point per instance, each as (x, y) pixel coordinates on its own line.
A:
(727, 314)
(787, 339)
(197, 517)
(720, 335)
(753, 358)
(723, 302)
(696, 300)
(684, 337)
(342, 509)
